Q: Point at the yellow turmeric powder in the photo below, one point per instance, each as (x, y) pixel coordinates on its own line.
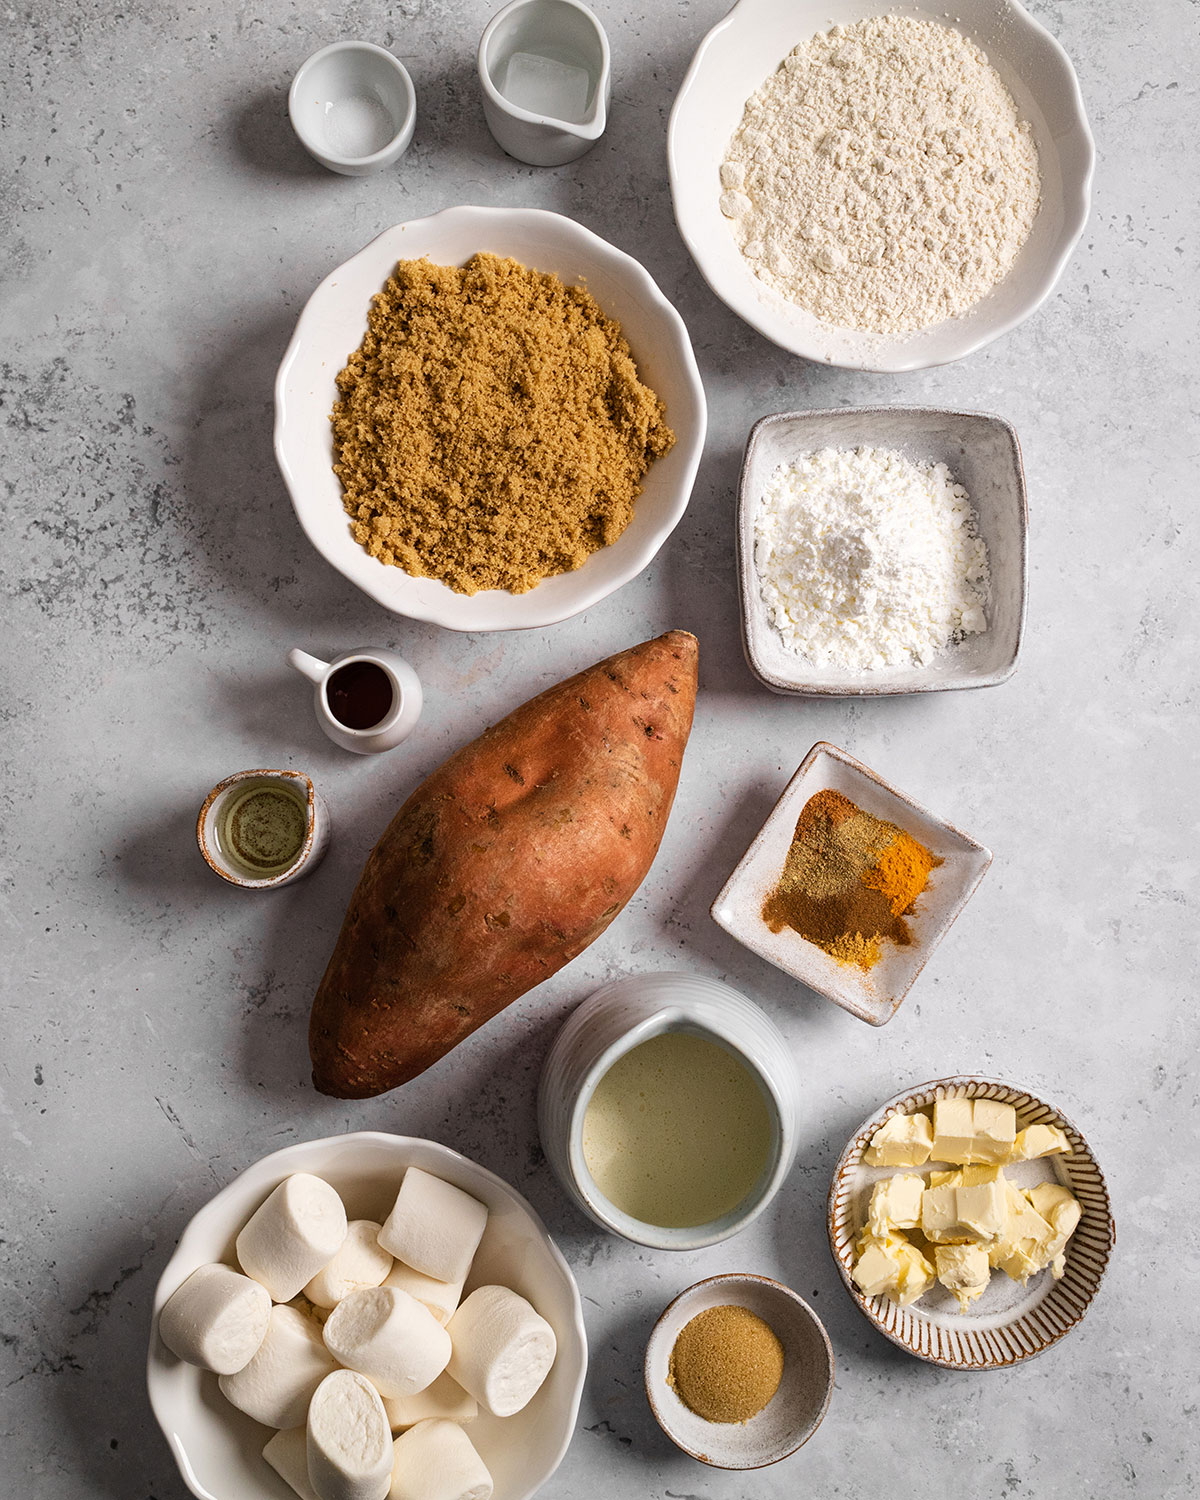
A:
(848, 881)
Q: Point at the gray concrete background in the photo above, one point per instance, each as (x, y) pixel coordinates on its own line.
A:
(160, 231)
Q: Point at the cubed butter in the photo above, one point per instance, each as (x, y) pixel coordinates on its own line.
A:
(1039, 1140)
(901, 1141)
(892, 1267)
(1017, 1248)
(895, 1204)
(939, 1210)
(1020, 1249)
(995, 1130)
(1060, 1208)
(973, 1131)
(981, 1208)
(953, 1130)
(877, 1270)
(916, 1274)
(970, 1207)
(970, 1220)
(964, 1271)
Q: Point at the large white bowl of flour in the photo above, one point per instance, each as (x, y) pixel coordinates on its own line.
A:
(733, 62)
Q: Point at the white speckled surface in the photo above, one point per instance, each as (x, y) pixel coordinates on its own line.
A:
(160, 229)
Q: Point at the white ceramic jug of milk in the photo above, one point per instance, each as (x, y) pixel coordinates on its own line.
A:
(546, 76)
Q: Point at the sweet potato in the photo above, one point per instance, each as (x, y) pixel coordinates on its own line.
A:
(503, 866)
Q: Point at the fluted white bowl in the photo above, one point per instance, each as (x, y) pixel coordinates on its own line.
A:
(331, 327)
(740, 53)
(219, 1449)
(621, 1016)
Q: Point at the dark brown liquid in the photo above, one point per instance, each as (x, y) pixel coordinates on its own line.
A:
(359, 695)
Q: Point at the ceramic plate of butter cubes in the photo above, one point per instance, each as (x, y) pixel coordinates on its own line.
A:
(982, 454)
(219, 1449)
(970, 1223)
(873, 995)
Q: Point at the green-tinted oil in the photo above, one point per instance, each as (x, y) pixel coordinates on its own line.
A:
(262, 829)
(677, 1132)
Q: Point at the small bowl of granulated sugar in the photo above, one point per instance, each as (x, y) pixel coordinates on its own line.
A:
(880, 192)
(881, 550)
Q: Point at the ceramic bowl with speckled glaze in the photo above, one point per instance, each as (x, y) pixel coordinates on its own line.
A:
(795, 1411)
(1009, 1322)
(310, 853)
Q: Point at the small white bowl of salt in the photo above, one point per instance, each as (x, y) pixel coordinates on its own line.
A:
(354, 107)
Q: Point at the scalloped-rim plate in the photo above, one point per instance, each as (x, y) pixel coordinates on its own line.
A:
(219, 1449)
(1009, 1323)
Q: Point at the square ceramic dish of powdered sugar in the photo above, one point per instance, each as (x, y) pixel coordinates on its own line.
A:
(983, 455)
(873, 995)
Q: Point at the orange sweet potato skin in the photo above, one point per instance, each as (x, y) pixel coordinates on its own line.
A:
(503, 866)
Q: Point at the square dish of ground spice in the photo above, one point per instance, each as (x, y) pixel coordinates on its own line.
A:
(850, 885)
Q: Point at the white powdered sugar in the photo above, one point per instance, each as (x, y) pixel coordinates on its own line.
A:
(882, 177)
(867, 560)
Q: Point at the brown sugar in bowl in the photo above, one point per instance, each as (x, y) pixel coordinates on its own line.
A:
(798, 1406)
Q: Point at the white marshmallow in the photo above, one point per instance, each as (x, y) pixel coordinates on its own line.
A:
(293, 1235)
(440, 1297)
(287, 1453)
(434, 1227)
(310, 1310)
(503, 1349)
(360, 1262)
(437, 1461)
(277, 1385)
(390, 1337)
(217, 1319)
(349, 1440)
(444, 1398)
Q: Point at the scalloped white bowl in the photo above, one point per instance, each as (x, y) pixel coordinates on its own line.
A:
(736, 57)
(219, 1449)
(331, 327)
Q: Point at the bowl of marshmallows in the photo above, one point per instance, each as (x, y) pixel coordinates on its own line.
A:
(368, 1317)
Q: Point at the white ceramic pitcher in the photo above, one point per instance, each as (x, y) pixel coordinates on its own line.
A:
(557, 32)
(397, 723)
(620, 1016)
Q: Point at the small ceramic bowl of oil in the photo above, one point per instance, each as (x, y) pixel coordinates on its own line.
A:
(262, 829)
(667, 1108)
(354, 108)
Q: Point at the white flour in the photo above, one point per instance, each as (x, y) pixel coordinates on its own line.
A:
(866, 559)
(882, 178)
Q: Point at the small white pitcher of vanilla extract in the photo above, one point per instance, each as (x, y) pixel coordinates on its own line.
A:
(366, 700)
